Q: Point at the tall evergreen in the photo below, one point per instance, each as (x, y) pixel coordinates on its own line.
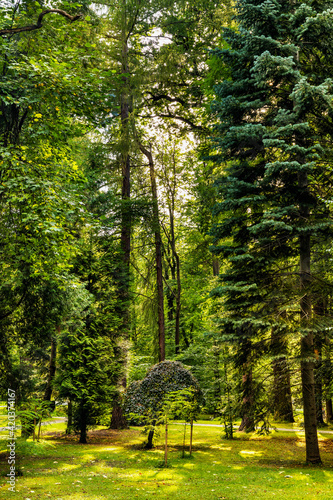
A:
(273, 137)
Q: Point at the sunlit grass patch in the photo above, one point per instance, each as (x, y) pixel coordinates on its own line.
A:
(114, 466)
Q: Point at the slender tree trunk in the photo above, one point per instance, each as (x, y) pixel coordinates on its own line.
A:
(170, 294)
(158, 254)
(83, 425)
(149, 444)
(327, 380)
(191, 436)
(307, 349)
(166, 444)
(126, 222)
(178, 294)
(125, 238)
(283, 408)
(217, 377)
(282, 403)
(216, 266)
(34, 430)
(184, 440)
(319, 310)
(319, 383)
(52, 368)
(329, 411)
(69, 427)
(39, 430)
(247, 423)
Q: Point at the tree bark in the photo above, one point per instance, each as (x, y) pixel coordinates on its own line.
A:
(126, 221)
(327, 379)
(247, 423)
(191, 436)
(307, 348)
(217, 377)
(166, 444)
(149, 444)
(178, 294)
(158, 254)
(38, 25)
(282, 403)
(83, 425)
(169, 292)
(329, 411)
(69, 427)
(125, 238)
(216, 266)
(319, 383)
(118, 420)
(320, 310)
(52, 368)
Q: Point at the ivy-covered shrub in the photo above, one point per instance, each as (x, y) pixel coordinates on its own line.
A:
(147, 396)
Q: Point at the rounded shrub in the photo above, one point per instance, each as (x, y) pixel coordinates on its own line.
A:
(147, 396)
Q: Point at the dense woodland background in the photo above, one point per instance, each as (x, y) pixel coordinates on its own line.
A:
(166, 193)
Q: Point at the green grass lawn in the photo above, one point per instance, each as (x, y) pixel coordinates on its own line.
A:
(113, 466)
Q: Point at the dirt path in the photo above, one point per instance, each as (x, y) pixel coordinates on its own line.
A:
(271, 428)
(283, 429)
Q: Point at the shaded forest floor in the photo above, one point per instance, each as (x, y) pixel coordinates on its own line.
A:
(114, 466)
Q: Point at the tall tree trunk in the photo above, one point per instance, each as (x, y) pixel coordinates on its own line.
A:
(216, 266)
(149, 443)
(69, 427)
(118, 420)
(217, 377)
(126, 222)
(318, 374)
(319, 310)
(247, 423)
(178, 294)
(125, 239)
(170, 294)
(327, 379)
(307, 350)
(329, 411)
(158, 254)
(282, 403)
(52, 368)
(83, 427)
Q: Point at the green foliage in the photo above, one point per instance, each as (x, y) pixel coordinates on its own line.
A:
(31, 413)
(86, 373)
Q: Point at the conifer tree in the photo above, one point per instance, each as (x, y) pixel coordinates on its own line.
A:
(273, 134)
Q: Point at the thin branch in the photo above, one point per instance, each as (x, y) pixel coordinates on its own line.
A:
(172, 291)
(185, 120)
(133, 24)
(38, 25)
(155, 98)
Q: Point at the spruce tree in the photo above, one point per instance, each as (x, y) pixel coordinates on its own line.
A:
(273, 137)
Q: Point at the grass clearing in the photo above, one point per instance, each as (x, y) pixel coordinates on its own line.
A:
(113, 466)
